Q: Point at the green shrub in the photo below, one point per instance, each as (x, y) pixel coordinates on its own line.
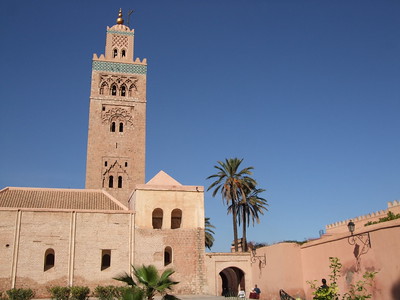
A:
(59, 292)
(359, 290)
(20, 294)
(332, 291)
(79, 293)
(2, 296)
(105, 292)
(122, 292)
(390, 216)
(132, 293)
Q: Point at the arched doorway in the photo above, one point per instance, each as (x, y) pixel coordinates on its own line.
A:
(232, 281)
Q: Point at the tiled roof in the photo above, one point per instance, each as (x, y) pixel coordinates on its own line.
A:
(58, 199)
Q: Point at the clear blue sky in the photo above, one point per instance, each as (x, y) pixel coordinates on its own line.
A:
(307, 92)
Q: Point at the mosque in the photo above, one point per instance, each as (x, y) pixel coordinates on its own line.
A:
(88, 236)
(85, 237)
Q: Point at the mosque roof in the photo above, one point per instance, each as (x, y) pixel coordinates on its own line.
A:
(163, 178)
(164, 182)
(44, 198)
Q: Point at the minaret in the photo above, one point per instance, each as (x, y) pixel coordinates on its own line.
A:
(117, 116)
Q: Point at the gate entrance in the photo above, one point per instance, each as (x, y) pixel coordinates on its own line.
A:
(232, 281)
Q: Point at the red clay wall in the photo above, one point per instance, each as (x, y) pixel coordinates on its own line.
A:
(283, 270)
(289, 266)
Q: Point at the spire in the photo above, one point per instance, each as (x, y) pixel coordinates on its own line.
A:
(120, 20)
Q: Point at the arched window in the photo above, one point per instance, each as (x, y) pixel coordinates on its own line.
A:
(49, 258)
(105, 259)
(121, 127)
(114, 90)
(157, 218)
(115, 53)
(119, 182)
(102, 88)
(123, 53)
(111, 181)
(167, 256)
(112, 128)
(132, 88)
(123, 91)
(176, 218)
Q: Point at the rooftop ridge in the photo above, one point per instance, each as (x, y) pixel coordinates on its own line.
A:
(115, 200)
(16, 188)
(95, 199)
(379, 213)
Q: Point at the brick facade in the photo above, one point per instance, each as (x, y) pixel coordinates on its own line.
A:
(117, 117)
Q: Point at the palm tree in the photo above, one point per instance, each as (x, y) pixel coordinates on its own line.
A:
(232, 184)
(150, 282)
(208, 233)
(250, 208)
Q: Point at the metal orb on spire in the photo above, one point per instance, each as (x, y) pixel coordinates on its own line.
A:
(119, 19)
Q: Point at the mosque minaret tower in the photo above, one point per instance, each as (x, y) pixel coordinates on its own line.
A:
(117, 116)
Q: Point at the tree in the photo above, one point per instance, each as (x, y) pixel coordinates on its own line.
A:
(232, 184)
(208, 232)
(147, 279)
(249, 209)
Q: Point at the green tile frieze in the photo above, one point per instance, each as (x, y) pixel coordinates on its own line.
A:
(119, 67)
(121, 32)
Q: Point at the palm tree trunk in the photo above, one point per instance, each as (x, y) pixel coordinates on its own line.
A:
(235, 233)
(244, 238)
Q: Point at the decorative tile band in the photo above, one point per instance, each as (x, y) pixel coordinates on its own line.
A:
(119, 67)
(121, 32)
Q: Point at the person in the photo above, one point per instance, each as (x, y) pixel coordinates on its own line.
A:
(242, 294)
(255, 293)
(324, 289)
(324, 285)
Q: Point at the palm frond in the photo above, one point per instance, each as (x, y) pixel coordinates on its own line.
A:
(126, 278)
(169, 297)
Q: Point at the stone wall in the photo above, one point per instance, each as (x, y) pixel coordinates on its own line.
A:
(186, 243)
(289, 265)
(77, 239)
(187, 259)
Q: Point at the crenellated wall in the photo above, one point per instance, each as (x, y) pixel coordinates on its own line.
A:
(360, 221)
(290, 265)
(136, 61)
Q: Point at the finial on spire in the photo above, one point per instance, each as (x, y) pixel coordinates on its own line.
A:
(120, 20)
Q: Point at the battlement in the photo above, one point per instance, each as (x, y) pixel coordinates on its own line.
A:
(361, 220)
(136, 61)
(120, 29)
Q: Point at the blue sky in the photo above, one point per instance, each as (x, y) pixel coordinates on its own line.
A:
(307, 92)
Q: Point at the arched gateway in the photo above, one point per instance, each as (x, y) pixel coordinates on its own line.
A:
(232, 281)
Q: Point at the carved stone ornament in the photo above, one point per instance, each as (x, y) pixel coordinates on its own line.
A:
(117, 114)
(115, 168)
(128, 81)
